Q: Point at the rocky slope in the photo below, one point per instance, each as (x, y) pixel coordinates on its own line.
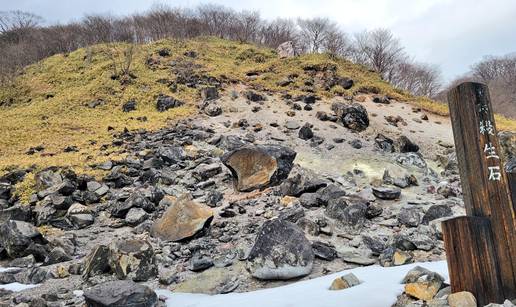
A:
(256, 189)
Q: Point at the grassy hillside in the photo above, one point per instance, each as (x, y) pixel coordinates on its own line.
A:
(48, 105)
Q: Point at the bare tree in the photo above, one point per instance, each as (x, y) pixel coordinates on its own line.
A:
(278, 31)
(417, 78)
(496, 68)
(97, 29)
(378, 49)
(314, 32)
(17, 20)
(217, 19)
(336, 43)
(247, 25)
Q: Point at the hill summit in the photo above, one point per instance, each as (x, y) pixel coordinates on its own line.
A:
(75, 101)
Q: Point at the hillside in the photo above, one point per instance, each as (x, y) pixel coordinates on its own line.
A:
(211, 167)
(51, 104)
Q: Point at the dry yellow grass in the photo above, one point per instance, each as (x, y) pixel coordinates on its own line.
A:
(49, 99)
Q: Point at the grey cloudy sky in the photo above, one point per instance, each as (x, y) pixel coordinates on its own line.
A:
(450, 33)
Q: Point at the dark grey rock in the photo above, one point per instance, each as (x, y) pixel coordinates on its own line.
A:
(376, 245)
(384, 143)
(292, 214)
(129, 106)
(409, 216)
(120, 293)
(171, 154)
(57, 255)
(164, 103)
(330, 192)
(133, 259)
(436, 212)
(135, 216)
(254, 96)
(200, 263)
(301, 181)
(324, 251)
(386, 193)
(20, 239)
(356, 143)
(353, 116)
(306, 133)
(281, 251)
(309, 200)
(404, 144)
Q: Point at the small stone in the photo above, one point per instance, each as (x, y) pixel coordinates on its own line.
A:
(306, 133)
(213, 110)
(129, 106)
(344, 282)
(409, 216)
(324, 251)
(198, 264)
(426, 286)
(462, 299)
(387, 193)
(401, 257)
(135, 216)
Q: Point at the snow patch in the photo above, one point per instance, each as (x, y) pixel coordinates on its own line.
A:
(14, 286)
(380, 287)
(17, 287)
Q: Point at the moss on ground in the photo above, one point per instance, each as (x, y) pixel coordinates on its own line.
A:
(48, 104)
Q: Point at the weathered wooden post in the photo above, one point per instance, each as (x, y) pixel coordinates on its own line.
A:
(511, 176)
(480, 247)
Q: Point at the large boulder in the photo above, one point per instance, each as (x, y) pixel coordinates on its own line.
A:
(20, 239)
(257, 167)
(183, 219)
(353, 116)
(281, 251)
(120, 293)
(97, 262)
(286, 50)
(132, 259)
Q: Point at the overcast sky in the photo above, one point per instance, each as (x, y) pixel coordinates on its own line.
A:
(450, 33)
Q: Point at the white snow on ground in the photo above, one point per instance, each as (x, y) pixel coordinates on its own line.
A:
(14, 286)
(379, 288)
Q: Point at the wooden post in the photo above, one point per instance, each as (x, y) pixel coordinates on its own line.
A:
(468, 258)
(511, 176)
(486, 195)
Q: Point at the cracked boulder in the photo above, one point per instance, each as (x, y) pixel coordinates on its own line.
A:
(257, 167)
(132, 259)
(183, 219)
(280, 252)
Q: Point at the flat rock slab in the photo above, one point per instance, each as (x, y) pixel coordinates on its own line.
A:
(183, 219)
(120, 293)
